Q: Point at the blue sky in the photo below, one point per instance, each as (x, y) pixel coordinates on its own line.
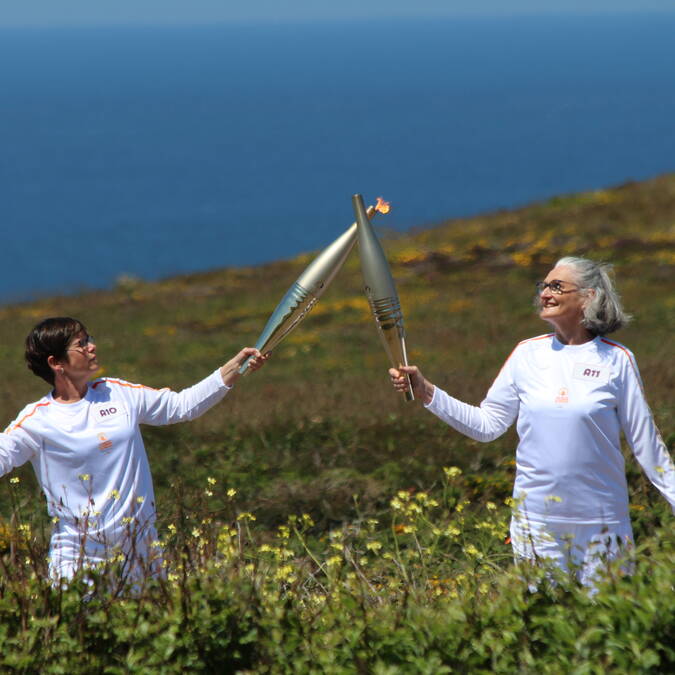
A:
(107, 12)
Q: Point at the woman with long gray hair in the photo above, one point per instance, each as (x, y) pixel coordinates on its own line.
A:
(571, 392)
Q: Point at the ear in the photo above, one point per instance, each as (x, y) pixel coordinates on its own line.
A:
(55, 365)
(589, 295)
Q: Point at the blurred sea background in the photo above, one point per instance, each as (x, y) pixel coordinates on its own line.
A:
(162, 150)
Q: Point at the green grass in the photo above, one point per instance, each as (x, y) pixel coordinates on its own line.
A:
(320, 432)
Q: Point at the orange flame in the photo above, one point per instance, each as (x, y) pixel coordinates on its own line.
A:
(382, 206)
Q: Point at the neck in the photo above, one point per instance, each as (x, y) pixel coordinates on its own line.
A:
(572, 335)
(69, 391)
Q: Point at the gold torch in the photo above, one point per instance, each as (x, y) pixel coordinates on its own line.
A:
(308, 288)
(381, 291)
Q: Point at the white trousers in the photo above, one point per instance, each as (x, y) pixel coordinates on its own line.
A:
(135, 558)
(584, 549)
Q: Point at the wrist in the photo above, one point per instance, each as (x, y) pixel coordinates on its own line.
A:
(428, 392)
(229, 376)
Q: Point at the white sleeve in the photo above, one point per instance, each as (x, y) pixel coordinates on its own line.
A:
(642, 435)
(163, 406)
(494, 416)
(17, 446)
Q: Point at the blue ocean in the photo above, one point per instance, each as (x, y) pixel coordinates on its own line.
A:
(157, 151)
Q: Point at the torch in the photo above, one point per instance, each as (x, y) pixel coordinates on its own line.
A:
(381, 291)
(309, 287)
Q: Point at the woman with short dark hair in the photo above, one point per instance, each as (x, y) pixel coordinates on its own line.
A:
(84, 442)
(571, 393)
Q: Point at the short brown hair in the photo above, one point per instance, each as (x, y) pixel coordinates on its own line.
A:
(50, 337)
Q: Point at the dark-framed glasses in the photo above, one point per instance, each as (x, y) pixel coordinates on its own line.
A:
(556, 286)
(82, 344)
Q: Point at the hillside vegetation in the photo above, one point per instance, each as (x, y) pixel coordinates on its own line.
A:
(315, 521)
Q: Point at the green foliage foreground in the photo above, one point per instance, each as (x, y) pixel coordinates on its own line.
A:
(307, 522)
(430, 591)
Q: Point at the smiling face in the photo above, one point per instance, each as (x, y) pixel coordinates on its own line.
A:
(563, 305)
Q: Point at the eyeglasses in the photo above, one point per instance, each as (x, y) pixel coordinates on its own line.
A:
(557, 287)
(82, 344)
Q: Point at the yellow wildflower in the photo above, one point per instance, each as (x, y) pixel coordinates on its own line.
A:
(472, 551)
(285, 573)
(452, 472)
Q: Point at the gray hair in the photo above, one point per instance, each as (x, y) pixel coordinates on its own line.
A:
(603, 312)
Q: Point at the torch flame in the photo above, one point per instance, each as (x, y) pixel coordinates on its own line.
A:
(382, 206)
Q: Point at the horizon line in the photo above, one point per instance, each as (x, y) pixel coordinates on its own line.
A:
(313, 20)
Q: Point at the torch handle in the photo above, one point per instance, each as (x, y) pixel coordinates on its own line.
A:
(243, 369)
(409, 396)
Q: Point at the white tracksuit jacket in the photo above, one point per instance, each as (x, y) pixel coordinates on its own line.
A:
(91, 463)
(571, 402)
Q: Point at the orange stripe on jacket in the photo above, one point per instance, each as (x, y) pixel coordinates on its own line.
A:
(25, 417)
(125, 384)
(522, 342)
(627, 353)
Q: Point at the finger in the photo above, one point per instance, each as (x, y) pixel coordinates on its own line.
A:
(250, 351)
(246, 353)
(258, 360)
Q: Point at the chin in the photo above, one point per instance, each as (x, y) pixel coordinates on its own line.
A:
(547, 317)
